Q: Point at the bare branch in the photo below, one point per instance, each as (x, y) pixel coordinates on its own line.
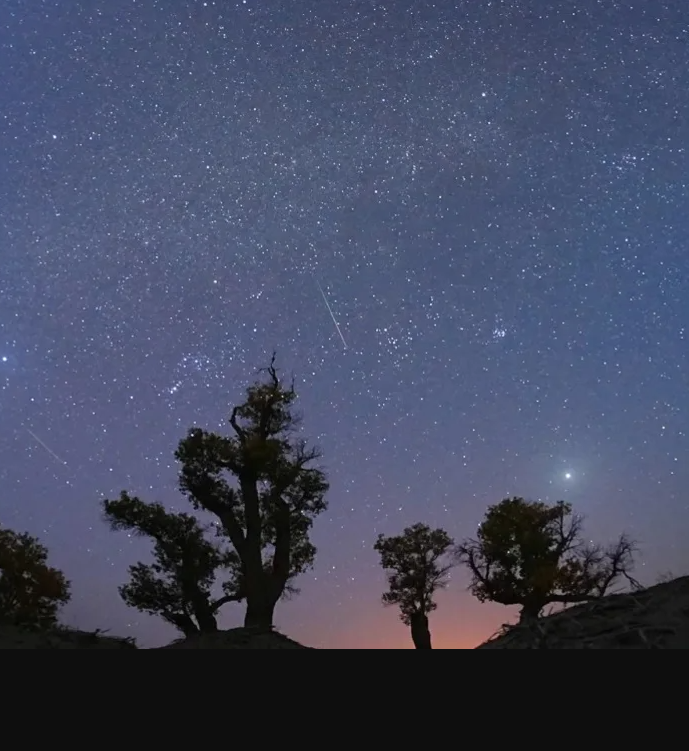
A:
(568, 532)
(618, 560)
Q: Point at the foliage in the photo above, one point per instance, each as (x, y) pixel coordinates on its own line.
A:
(532, 554)
(417, 567)
(262, 487)
(31, 592)
(177, 585)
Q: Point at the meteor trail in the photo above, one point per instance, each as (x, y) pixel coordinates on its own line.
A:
(332, 315)
(47, 448)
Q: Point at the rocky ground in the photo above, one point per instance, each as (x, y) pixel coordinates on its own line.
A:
(653, 618)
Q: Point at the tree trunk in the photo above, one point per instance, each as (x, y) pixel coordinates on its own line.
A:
(259, 611)
(529, 613)
(420, 632)
(208, 623)
(259, 605)
(200, 606)
(182, 622)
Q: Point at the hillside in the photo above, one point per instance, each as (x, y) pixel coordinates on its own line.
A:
(59, 638)
(64, 638)
(653, 618)
(238, 638)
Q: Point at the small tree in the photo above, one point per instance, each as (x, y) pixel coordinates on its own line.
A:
(531, 554)
(31, 592)
(177, 585)
(262, 487)
(417, 567)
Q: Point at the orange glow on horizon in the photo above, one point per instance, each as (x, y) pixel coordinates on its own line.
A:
(459, 623)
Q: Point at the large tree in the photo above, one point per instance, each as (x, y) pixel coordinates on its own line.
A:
(177, 586)
(31, 591)
(532, 554)
(417, 565)
(261, 484)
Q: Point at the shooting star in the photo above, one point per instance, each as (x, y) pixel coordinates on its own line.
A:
(332, 315)
(47, 448)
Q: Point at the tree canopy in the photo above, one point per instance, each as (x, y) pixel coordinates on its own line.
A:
(178, 584)
(417, 566)
(263, 487)
(531, 554)
(31, 591)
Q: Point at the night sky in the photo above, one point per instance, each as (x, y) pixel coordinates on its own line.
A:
(489, 199)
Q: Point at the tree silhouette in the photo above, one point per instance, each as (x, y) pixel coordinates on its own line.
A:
(262, 487)
(31, 592)
(531, 554)
(177, 585)
(417, 567)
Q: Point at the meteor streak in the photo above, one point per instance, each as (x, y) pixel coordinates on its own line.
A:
(332, 315)
(47, 448)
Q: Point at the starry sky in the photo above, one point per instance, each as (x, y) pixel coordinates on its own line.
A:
(462, 225)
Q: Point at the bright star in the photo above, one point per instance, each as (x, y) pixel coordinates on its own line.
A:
(568, 475)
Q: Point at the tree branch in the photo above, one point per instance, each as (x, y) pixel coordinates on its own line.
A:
(203, 491)
(283, 544)
(235, 425)
(182, 622)
(619, 562)
(567, 537)
(215, 606)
